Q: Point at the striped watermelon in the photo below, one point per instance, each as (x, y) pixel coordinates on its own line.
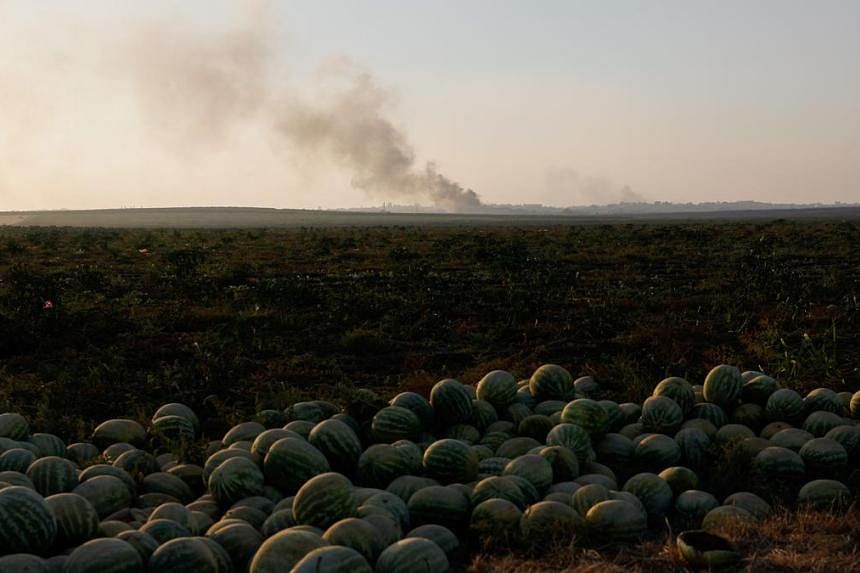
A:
(358, 535)
(177, 409)
(443, 537)
(48, 445)
(82, 453)
(680, 479)
(240, 540)
(732, 433)
(615, 450)
(14, 426)
(495, 521)
(77, 520)
(824, 457)
(533, 468)
(463, 433)
(588, 496)
(551, 382)
(821, 422)
(380, 464)
(498, 387)
(550, 522)
(791, 438)
(53, 475)
(173, 511)
(779, 463)
(16, 460)
(484, 415)
(138, 463)
(752, 503)
(726, 517)
(825, 494)
(573, 437)
(324, 500)
(450, 461)
(617, 520)
(106, 493)
(498, 487)
(173, 428)
(723, 385)
(586, 386)
(394, 423)
(387, 502)
(333, 559)
(143, 543)
(26, 522)
(848, 437)
(694, 504)
(301, 427)
(565, 466)
(654, 493)
(443, 505)
(657, 452)
(283, 550)
(452, 403)
(679, 391)
(235, 479)
(271, 419)
(517, 412)
(412, 555)
(825, 400)
(105, 556)
(418, 404)
(291, 462)
(710, 412)
(784, 405)
(118, 430)
(411, 454)
(261, 444)
(164, 530)
(588, 415)
(404, 486)
(167, 484)
(758, 390)
(661, 414)
(246, 431)
(189, 554)
(617, 418)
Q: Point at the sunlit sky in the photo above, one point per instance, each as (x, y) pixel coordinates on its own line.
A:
(559, 102)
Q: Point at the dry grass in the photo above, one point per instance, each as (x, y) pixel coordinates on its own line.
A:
(806, 541)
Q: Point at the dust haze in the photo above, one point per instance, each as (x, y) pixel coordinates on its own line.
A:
(157, 107)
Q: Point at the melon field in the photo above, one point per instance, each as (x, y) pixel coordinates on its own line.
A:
(535, 396)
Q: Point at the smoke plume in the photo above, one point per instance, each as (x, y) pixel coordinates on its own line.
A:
(580, 189)
(354, 129)
(165, 103)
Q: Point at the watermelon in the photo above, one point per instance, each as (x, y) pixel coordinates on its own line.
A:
(412, 555)
(28, 525)
(750, 502)
(290, 462)
(791, 438)
(757, 390)
(48, 445)
(143, 543)
(189, 554)
(358, 535)
(167, 484)
(616, 417)
(404, 486)
(418, 404)
(16, 460)
(723, 385)
(441, 536)
(394, 423)
(824, 400)
(174, 512)
(240, 540)
(750, 415)
(495, 521)
(824, 457)
(848, 437)
(726, 517)
(784, 405)
(380, 464)
(261, 444)
(498, 487)
(390, 503)
(234, 479)
(679, 391)
(14, 426)
(550, 522)
(694, 504)
(573, 437)
(588, 415)
(680, 479)
(246, 431)
(106, 493)
(105, 556)
(519, 446)
(779, 463)
(588, 496)
(443, 505)
(464, 433)
(77, 520)
(484, 415)
(654, 493)
(324, 500)
(617, 520)
(563, 462)
(450, 461)
(53, 475)
(138, 463)
(732, 433)
(82, 453)
(498, 387)
(533, 468)
(549, 407)
(821, 422)
(656, 452)
(333, 559)
(164, 530)
(452, 403)
(615, 450)
(661, 414)
(826, 494)
(551, 382)
(174, 428)
(535, 426)
(118, 430)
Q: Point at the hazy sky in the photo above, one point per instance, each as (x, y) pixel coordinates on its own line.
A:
(343, 103)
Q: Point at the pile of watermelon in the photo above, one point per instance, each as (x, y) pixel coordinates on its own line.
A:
(417, 483)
